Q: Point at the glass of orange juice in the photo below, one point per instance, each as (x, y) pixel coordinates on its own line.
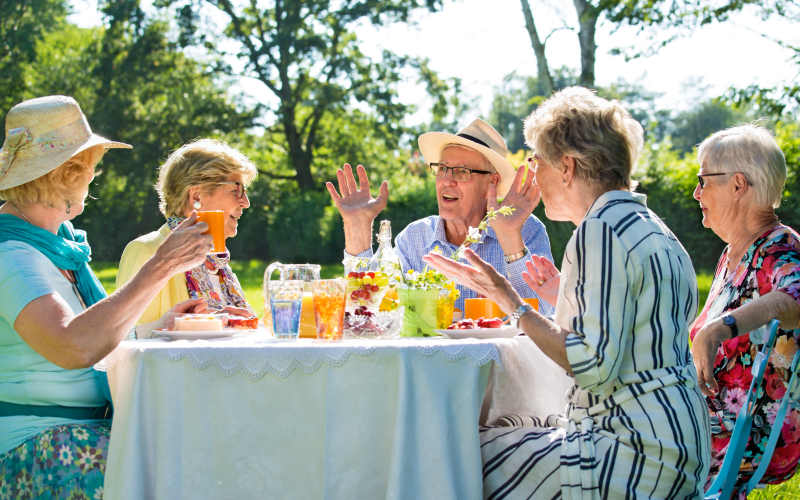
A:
(329, 307)
(216, 227)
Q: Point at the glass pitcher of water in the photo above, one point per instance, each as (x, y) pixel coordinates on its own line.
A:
(289, 309)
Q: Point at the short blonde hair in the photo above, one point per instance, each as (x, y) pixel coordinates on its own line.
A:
(62, 183)
(751, 150)
(599, 134)
(199, 163)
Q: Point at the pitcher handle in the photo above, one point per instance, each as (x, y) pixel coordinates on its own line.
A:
(268, 276)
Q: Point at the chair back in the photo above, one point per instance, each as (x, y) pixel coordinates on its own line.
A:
(723, 484)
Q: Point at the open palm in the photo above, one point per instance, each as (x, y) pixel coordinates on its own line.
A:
(354, 200)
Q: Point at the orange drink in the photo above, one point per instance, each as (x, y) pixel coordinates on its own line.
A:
(533, 301)
(481, 308)
(329, 307)
(308, 325)
(216, 227)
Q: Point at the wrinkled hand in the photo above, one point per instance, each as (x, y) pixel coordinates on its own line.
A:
(185, 247)
(523, 196)
(356, 203)
(479, 276)
(705, 345)
(191, 306)
(543, 278)
(238, 311)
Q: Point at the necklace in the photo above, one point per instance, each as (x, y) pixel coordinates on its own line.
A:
(20, 213)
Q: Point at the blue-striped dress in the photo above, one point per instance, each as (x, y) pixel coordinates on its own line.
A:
(637, 425)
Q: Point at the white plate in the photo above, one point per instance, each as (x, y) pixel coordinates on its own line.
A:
(196, 334)
(482, 333)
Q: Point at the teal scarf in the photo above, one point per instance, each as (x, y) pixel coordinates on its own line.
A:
(67, 250)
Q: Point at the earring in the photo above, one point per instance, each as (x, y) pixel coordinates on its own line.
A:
(69, 205)
(197, 205)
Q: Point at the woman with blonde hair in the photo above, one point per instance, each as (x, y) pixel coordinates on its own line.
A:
(739, 186)
(55, 319)
(636, 425)
(201, 175)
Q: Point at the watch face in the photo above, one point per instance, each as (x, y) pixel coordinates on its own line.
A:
(728, 320)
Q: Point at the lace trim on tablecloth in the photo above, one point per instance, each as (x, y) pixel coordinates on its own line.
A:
(257, 359)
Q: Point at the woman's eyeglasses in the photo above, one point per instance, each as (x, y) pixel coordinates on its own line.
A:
(461, 174)
(240, 190)
(702, 181)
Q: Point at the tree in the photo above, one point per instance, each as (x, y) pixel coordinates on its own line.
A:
(22, 24)
(136, 86)
(307, 56)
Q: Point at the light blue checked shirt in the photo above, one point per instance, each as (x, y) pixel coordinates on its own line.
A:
(422, 236)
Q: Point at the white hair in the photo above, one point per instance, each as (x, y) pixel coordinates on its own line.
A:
(751, 150)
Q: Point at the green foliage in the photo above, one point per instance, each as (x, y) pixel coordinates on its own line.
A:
(22, 25)
(135, 86)
(308, 57)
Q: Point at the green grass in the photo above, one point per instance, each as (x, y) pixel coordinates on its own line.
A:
(251, 274)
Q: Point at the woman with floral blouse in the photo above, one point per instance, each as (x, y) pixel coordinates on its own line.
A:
(742, 175)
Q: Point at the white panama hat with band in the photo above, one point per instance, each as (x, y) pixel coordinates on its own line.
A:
(479, 136)
(43, 133)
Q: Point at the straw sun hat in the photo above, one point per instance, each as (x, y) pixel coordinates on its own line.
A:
(479, 136)
(43, 133)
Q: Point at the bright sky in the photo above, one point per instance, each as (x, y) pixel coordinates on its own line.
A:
(481, 41)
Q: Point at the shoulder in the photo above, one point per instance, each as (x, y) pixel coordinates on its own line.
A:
(18, 255)
(780, 238)
(148, 241)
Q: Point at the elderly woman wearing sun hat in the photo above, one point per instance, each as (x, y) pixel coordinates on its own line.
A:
(208, 175)
(740, 183)
(55, 318)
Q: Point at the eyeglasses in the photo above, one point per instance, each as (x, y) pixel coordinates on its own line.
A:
(240, 191)
(702, 181)
(459, 173)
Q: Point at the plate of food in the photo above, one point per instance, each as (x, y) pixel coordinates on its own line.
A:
(207, 326)
(481, 328)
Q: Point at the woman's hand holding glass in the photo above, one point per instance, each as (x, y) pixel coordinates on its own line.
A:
(186, 247)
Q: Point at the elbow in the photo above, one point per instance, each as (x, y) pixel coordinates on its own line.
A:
(74, 358)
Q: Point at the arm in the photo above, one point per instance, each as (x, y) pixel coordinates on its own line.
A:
(49, 326)
(357, 207)
(758, 312)
(481, 277)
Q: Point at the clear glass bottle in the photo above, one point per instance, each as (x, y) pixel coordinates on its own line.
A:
(386, 262)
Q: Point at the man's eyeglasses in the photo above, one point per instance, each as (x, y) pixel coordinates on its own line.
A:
(240, 190)
(461, 174)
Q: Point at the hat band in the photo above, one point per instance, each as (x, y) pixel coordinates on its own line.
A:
(21, 144)
(474, 139)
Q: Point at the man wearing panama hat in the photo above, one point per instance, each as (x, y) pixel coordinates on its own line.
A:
(471, 171)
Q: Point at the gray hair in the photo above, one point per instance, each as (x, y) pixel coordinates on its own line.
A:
(599, 134)
(751, 150)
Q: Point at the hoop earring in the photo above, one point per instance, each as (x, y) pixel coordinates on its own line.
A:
(197, 205)
(69, 206)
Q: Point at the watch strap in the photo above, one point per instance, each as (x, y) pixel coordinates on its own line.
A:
(519, 312)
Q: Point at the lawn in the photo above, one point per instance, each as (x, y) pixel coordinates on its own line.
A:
(251, 274)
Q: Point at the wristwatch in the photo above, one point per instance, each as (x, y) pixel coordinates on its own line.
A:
(524, 308)
(729, 321)
(515, 256)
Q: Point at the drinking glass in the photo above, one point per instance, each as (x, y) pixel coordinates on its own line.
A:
(286, 299)
(329, 307)
(216, 227)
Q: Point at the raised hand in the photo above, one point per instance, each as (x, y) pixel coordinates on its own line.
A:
(185, 247)
(523, 196)
(479, 276)
(357, 206)
(543, 278)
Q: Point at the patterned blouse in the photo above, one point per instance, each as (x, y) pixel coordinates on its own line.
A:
(771, 263)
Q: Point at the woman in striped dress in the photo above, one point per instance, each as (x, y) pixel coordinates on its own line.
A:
(636, 425)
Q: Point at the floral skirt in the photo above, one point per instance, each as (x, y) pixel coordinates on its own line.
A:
(66, 461)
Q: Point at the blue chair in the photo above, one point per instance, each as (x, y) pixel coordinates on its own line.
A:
(723, 484)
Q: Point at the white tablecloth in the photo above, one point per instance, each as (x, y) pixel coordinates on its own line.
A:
(243, 418)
